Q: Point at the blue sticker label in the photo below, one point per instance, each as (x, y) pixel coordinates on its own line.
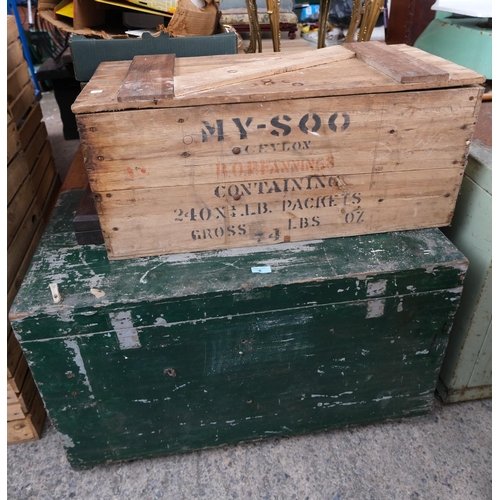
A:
(261, 269)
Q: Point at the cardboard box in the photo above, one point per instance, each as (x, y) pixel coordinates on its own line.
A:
(358, 140)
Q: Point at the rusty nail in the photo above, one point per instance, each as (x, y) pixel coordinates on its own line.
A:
(236, 197)
(236, 151)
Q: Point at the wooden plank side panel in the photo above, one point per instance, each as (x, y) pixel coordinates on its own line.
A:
(11, 393)
(244, 142)
(23, 102)
(214, 216)
(18, 376)
(16, 81)
(30, 125)
(27, 394)
(13, 289)
(12, 31)
(40, 167)
(24, 395)
(16, 174)
(13, 141)
(22, 242)
(15, 56)
(48, 188)
(14, 354)
(37, 142)
(52, 192)
(18, 208)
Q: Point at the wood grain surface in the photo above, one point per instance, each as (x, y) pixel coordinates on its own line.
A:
(149, 78)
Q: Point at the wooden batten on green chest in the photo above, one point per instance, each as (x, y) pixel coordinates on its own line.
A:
(172, 353)
(243, 150)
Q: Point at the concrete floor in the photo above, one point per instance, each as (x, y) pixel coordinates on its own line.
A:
(446, 455)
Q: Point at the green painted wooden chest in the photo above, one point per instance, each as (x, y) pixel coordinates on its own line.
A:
(168, 354)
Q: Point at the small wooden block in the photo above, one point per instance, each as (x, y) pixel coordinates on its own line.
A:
(392, 62)
(149, 78)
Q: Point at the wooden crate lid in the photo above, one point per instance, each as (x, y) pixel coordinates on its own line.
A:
(358, 68)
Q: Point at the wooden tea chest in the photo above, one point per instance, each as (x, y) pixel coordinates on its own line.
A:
(242, 150)
(172, 353)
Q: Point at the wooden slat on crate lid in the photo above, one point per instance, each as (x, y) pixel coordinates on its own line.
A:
(149, 78)
(219, 77)
(400, 66)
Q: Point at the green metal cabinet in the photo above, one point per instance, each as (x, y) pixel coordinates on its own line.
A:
(467, 367)
(166, 354)
(464, 40)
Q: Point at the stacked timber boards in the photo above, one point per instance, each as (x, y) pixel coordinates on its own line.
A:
(171, 353)
(32, 184)
(243, 150)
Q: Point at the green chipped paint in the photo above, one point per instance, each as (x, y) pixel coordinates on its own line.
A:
(159, 355)
(467, 367)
